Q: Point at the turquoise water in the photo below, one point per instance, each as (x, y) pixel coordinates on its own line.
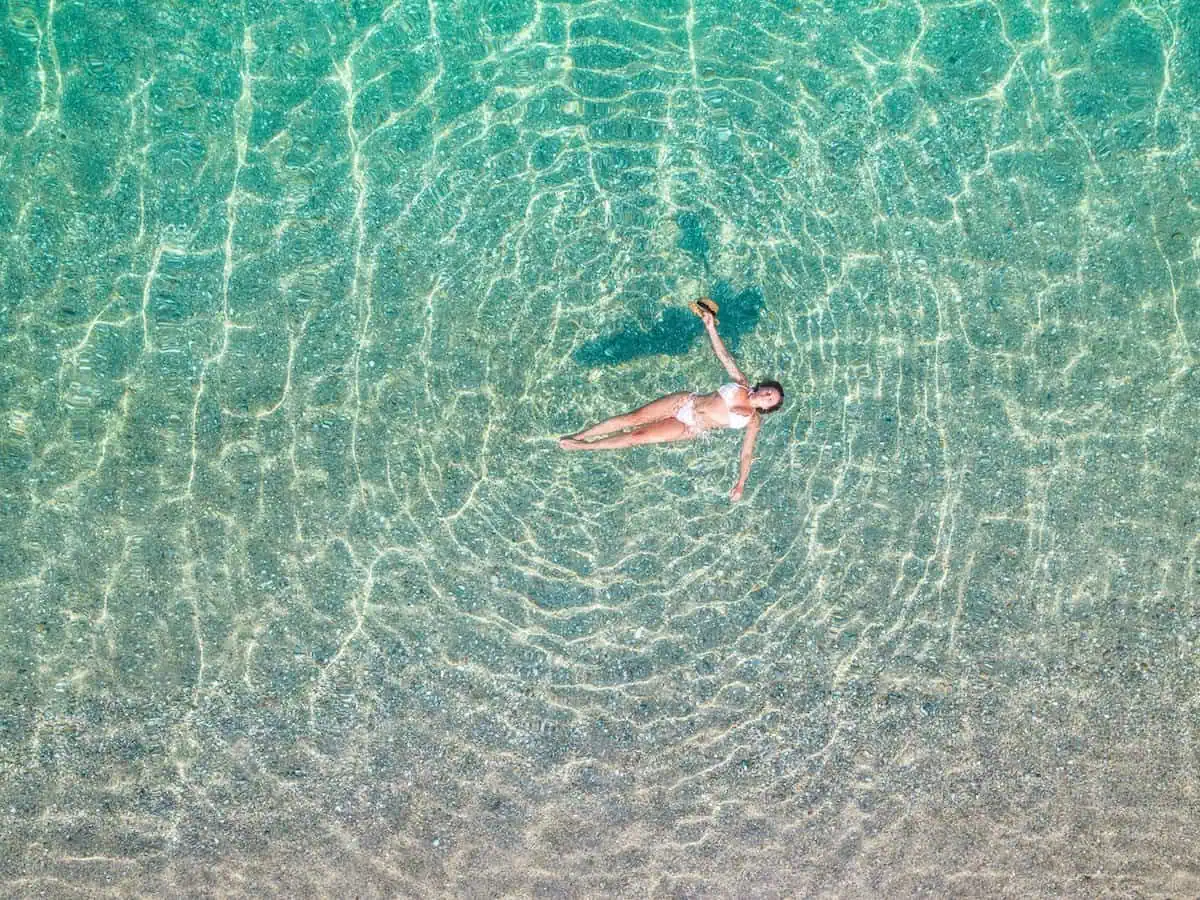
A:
(298, 595)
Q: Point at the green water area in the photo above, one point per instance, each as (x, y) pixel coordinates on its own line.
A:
(300, 597)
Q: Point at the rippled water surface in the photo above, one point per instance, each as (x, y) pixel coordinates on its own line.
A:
(299, 597)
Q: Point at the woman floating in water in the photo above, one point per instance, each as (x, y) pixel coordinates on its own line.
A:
(683, 416)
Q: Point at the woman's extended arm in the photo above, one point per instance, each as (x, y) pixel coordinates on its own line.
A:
(710, 325)
(747, 457)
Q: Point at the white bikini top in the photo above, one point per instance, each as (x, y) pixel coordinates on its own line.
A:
(729, 393)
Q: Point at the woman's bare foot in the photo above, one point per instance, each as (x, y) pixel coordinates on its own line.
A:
(571, 443)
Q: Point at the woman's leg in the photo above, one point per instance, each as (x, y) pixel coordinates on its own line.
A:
(652, 433)
(662, 408)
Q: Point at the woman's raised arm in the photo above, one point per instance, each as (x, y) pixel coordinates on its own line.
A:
(727, 360)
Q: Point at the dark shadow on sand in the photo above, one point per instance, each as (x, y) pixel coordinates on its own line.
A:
(675, 330)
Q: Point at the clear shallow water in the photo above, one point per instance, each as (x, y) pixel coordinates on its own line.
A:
(299, 596)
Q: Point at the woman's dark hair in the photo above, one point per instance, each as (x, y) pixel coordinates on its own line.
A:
(778, 387)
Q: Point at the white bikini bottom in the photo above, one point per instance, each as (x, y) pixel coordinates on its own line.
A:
(687, 413)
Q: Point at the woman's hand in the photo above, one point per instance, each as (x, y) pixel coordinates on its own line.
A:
(707, 317)
(736, 494)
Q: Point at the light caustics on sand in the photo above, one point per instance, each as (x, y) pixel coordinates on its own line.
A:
(298, 589)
